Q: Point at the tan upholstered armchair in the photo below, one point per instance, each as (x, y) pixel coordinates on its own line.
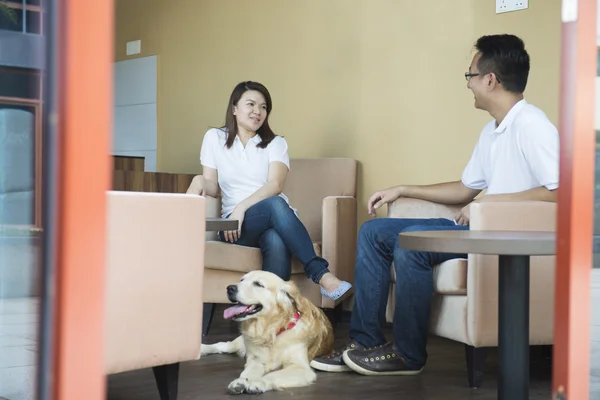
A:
(465, 305)
(324, 192)
(155, 269)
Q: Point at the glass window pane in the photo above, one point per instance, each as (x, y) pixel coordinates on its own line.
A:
(33, 22)
(11, 19)
(19, 83)
(20, 254)
(21, 266)
(17, 165)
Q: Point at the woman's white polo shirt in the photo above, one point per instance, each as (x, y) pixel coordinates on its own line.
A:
(241, 170)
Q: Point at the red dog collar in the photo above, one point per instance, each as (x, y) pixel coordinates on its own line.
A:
(291, 324)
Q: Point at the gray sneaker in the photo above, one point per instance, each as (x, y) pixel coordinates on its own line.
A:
(334, 362)
(380, 360)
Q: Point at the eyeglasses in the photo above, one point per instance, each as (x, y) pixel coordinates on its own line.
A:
(469, 75)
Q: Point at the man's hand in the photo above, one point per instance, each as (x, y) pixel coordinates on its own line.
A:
(463, 217)
(197, 186)
(380, 198)
(238, 214)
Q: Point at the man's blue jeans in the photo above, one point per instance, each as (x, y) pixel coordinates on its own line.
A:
(272, 226)
(377, 248)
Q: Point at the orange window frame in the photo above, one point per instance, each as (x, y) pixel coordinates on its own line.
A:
(85, 102)
(83, 122)
(571, 372)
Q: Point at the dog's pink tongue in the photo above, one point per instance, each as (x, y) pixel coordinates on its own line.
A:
(233, 311)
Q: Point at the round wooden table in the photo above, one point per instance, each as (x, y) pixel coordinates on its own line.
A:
(513, 249)
(221, 224)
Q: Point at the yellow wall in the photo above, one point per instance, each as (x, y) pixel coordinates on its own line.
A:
(379, 80)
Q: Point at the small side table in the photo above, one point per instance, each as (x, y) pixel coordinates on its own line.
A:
(221, 224)
(514, 249)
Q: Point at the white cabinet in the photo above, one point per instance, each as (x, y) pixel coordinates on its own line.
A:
(135, 115)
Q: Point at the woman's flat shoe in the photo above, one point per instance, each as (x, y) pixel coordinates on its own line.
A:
(339, 292)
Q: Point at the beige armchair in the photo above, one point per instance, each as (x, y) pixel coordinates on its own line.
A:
(155, 268)
(324, 192)
(465, 304)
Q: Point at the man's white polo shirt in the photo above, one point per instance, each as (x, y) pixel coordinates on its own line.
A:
(241, 171)
(522, 153)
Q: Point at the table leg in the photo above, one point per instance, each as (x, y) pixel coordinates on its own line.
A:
(513, 327)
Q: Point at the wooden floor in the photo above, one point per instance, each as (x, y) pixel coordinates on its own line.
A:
(443, 378)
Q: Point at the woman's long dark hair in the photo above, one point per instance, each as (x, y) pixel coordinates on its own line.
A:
(265, 132)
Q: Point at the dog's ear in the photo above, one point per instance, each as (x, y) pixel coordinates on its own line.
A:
(289, 295)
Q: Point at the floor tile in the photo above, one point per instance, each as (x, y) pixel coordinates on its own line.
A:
(27, 330)
(18, 383)
(7, 319)
(12, 341)
(17, 357)
(27, 305)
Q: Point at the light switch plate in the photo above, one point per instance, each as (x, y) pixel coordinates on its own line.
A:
(134, 47)
(503, 6)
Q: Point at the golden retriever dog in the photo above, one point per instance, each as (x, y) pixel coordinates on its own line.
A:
(281, 332)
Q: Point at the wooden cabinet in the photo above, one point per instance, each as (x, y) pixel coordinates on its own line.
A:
(129, 163)
(129, 175)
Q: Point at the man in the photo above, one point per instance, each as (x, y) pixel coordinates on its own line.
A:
(515, 159)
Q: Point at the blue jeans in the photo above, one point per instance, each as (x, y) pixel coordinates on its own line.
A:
(273, 226)
(377, 248)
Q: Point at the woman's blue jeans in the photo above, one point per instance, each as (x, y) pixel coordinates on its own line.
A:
(272, 226)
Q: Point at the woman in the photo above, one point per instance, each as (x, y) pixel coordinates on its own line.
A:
(248, 164)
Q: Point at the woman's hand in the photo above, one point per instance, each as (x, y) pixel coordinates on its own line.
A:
(238, 214)
(197, 186)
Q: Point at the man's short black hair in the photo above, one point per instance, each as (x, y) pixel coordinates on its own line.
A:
(505, 56)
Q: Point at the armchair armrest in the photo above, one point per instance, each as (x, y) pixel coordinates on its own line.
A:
(513, 216)
(405, 207)
(339, 237)
(154, 280)
(482, 273)
(213, 207)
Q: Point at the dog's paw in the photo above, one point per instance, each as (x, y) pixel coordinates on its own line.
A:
(256, 387)
(207, 349)
(238, 386)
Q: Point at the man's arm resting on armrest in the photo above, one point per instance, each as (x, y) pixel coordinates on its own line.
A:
(536, 194)
(449, 193)
(445, 193)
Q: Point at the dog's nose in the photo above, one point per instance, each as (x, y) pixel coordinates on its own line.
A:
(231, 289)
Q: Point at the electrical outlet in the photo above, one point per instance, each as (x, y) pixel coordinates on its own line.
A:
(503, 6)
(134, 47)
